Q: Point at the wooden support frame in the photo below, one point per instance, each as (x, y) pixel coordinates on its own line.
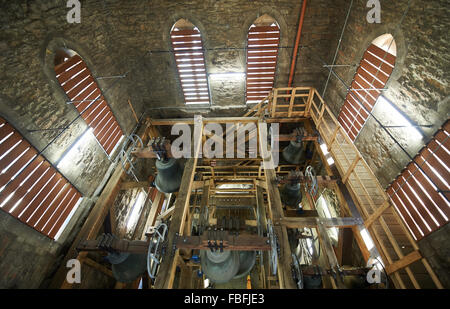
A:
(93, 223)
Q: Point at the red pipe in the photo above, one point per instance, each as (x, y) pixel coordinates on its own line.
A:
(297, 41)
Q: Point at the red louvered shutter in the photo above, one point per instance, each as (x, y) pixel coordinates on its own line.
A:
(421, 195)
(81, 88)
(31, 189)
(190, 61)
(262, 54)
(372, 74)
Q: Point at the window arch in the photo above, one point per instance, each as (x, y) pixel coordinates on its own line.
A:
(263, 39)
(84, 93)
(370, 78)
(190, 61)
(31, 189)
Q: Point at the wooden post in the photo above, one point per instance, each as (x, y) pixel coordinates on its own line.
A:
(331, 256)
(273, 196)
(134, 113)
(166, 272)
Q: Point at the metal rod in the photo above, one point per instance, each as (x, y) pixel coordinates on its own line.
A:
(109, 77)
(339, 65)
(297, 42)
(361, 89)
(413, 125)
(79, 101)
(162, 51)
(39, 130)
(337, 48)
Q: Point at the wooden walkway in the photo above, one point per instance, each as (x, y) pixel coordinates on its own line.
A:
(399, 251)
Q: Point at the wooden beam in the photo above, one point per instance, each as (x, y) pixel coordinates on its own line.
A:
(371, 219)
(344, 249)
(229, 242)
(276, 213)
(261, 207)
(404, 262)
(305, 213)
(330, 254)
(166, 272)
(97, 266)
(169, 122)
(166, 213)
(92, 225)
(134, 113)
(299, 222)
(134, 184)
(154, 211)
(350, 169)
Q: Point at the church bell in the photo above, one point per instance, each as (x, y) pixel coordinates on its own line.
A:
(127, 267)
(219, 267)
(294, 153)
(290, 194)
(169, 175)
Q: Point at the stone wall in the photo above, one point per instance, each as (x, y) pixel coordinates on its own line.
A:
(116, 38)
(418, 87)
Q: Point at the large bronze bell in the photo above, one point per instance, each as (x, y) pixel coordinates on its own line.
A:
(290, 194)
(169, 175)
(127, 267)
(295, 153)
(219, 267)
(247, 260)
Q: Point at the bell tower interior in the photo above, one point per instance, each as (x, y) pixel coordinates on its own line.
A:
(207, 144)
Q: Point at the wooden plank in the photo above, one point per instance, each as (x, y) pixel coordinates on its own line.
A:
(154, 212)
(404, 262)
(276, 213)
(300, 222)
(103, 269)
(134, 184)
(330, 254)
(370, 220)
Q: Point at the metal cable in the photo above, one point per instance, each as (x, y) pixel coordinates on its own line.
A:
(337, 48)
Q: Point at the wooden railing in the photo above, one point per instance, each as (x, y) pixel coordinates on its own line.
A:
(399, 251)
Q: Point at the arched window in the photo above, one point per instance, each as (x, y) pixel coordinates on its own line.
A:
(368, 83)
(262, 52)
(31, 189)
(190, 60)
(421, 192)
(85, 94)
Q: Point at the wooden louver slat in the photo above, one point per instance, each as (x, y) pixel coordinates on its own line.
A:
(371, 76)
(190, 61)
(80, 86)
(29, 184)
(262, 54)
(421, 192)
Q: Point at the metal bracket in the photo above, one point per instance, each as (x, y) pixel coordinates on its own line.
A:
(156, 249)
(125, 155)
(273, 258)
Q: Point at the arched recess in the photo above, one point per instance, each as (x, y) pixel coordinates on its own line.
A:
(263, 40)
(83, 92)
(189, 56)
(368, 83)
